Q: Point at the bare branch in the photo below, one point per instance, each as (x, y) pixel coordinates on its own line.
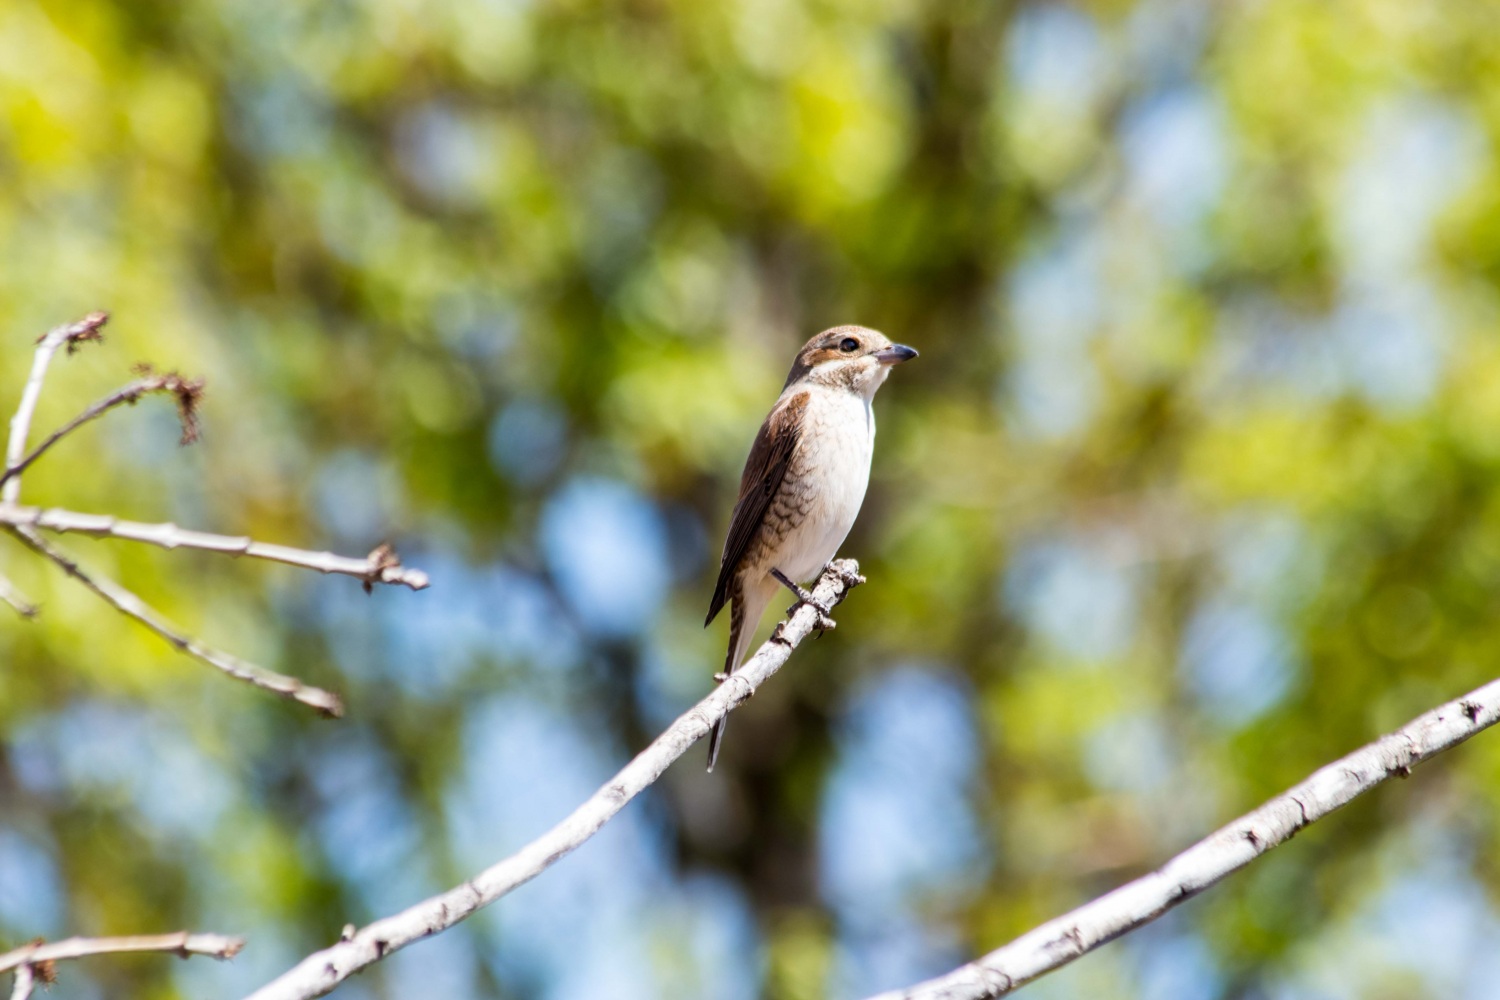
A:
(380, 566)
(1134, 904)
(72, 335)
(321, 971)
(129, 604)
(37, 958)
(187, 391)
(12, 595)
(25, 980)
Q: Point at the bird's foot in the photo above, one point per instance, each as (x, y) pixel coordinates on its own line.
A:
(798, 589)
(824, 623)
(825, 619)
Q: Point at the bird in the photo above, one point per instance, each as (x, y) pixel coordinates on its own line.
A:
(803, 483)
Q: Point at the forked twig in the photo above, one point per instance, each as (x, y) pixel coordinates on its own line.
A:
(25, 523)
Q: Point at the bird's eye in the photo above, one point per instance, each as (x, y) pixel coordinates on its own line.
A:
(848, 345)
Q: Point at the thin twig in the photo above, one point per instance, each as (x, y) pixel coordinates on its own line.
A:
(187, 391)
(380, 566)
(129, 604)
(321, 971)
(11, 594)
(1134, 904)
(181, 943)
(72, 335)
(25, 980)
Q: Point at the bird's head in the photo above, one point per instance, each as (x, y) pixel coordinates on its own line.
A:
(848, 357)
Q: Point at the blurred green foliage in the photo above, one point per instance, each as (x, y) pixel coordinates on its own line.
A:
(1192, 490)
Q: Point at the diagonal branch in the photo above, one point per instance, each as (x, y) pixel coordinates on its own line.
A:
(72, 335)
(25, 980)
(187, 391)
(321, 971)
(129, 604)
(11, 594)
(380, 566)
(34, 961)
(1058, 942)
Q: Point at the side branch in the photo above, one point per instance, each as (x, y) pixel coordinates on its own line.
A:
(34, 961)
(321, 971)
(1058, 942)
(380, 566)
(187, 391)
(128, 603)
(25, 980)
(72, 335)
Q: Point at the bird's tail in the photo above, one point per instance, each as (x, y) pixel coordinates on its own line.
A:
(744, 617)
(713, 742)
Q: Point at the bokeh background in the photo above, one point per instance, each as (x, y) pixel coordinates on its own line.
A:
(1193, 489)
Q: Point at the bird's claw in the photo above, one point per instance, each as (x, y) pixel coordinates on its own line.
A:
(825, 614)
(807, 600)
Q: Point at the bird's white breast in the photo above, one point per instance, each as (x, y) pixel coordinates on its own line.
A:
(836, 444)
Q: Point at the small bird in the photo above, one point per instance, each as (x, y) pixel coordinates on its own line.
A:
(803, 482)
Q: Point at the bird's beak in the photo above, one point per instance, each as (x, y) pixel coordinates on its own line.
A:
(895, 354)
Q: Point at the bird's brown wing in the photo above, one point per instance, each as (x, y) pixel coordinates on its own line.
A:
(764, 469)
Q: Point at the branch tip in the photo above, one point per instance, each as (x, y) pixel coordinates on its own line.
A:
(40, 957)
(90, 328)
(383, 565)
(328, 704)
(188, 393)
(19, 603)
